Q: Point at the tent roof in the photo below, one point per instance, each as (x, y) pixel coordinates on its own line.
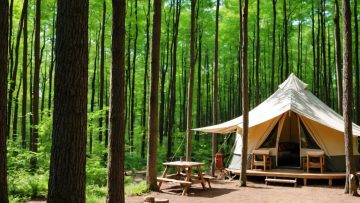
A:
(292, 95)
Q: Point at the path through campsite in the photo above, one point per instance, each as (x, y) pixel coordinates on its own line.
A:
(228, 191)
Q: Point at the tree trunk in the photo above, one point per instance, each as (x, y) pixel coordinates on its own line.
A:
(102, 72)
(35, 107)
(191, 81)
(239, 112)
(68, 151)
(147, 49)
(52, 62)
(4, 26)
(198, 96)
(153, 101)
(24, 78)
(245, 99)
(350, 182)
(273, 48)
(215, 90)
(286, 41)
(93, 89)
(257, 62)
(132, 93)
(117, 106)
(13, 73)
(16, 114)
(172, 84)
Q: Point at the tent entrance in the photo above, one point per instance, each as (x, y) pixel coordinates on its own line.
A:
(289, 142)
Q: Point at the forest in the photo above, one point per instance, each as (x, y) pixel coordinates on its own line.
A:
(47, 45)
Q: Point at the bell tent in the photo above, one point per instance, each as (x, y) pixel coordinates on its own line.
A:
(289, 123)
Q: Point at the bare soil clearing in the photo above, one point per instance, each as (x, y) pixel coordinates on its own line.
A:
(229, 191)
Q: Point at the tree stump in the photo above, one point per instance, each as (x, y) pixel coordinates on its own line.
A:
(149, 199)
(157, 200)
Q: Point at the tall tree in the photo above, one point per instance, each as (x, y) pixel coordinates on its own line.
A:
(245, 97)
(153, 100)
(351, 178)
(4, 27)
(257, 61)
(286, 40)
(117, 106)
(273, 47)
(147, 49)
(68, 151)
(14, 69)
(338, 57)
(24, 79)
(35, 104)
(215, 89)
(239, 61)
(191, 82)
(102, 71)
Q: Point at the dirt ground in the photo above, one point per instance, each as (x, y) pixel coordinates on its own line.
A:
(256, 191)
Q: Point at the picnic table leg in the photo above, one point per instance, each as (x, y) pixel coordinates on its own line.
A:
(201, 177)
(164, 175)
(188, 178)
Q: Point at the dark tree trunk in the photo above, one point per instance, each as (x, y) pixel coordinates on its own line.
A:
(4, 26)
(323, 46)
(93, 89)
(286, 41)
(132, 92)
(153, 101)
(273, 48)
(239, 107)
(257, 62)
(35, 104)
(13, 71)
(172, 84)
(245, 99)
(215, 90)
(102, 72)
(191, 79)
(24, 79)
(117, 106)
(16, 114)
(68, 151)
(198, 96)
(313, 45)
(351, 178)
(144, 109)
(52, 63)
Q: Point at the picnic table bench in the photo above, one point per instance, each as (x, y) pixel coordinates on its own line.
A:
(183, 175)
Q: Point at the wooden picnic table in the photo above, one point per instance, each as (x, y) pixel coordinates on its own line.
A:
(183, 174)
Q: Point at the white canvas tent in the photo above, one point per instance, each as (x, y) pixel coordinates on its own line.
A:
(292, 115)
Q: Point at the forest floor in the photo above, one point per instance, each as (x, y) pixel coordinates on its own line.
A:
(225, 191)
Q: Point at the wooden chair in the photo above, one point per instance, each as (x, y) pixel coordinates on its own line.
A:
(315, 159)
(261, 157)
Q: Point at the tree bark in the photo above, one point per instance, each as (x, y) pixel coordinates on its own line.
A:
(132, 92)
(286, 41)
(16, 114)
(68, 152)
(52, 63)
(102, 72)
(24, 80)
(4, 37)
(147, 49)
(257, 61)
(350, 186)
(239, 112)
(245, 98)
(117, 106)
(13, 71)
(191, 81)
(273, 48)
(35, 104)
(215, 90)
(153, 101)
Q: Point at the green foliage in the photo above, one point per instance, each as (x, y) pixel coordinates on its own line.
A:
(136, 188)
